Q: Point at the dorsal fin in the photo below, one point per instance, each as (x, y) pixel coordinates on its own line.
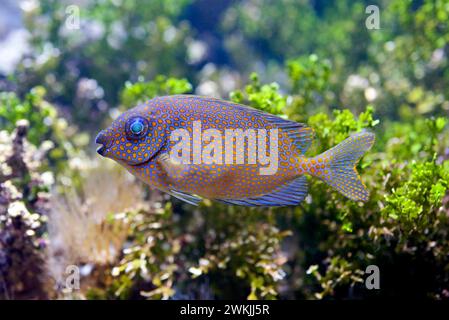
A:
(300, 134)
(290, 194)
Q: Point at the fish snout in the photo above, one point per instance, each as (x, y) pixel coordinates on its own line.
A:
(105, 141)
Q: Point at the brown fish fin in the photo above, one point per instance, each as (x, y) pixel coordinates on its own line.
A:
(343, 159)
(300, 134)
(290, 194)
(171, 168)
(179, 170)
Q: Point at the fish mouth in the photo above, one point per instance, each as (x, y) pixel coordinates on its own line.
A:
(101, 150)
(105, 141)
(102, 139)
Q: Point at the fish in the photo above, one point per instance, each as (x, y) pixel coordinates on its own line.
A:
(194, 148)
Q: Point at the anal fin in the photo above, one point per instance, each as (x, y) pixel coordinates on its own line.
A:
(290, 194)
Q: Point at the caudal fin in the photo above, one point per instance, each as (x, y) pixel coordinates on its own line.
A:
(340, 162)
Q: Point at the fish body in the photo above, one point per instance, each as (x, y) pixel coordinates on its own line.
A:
(197, 147)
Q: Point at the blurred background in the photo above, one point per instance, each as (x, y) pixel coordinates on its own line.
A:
(74, 226)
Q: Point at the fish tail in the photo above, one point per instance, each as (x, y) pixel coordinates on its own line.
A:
(337, 166)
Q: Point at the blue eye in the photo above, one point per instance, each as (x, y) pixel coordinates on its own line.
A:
(136, 127)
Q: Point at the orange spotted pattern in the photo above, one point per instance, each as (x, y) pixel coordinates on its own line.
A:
(145, 156)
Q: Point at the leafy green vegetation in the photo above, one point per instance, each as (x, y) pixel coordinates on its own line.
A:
(308, 61)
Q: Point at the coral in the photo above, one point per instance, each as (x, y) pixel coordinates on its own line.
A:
(23, 206)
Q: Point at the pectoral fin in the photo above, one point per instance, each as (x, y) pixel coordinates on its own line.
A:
(171, 168)
(177, 171)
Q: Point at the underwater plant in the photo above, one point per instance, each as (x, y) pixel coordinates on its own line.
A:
(310, 62)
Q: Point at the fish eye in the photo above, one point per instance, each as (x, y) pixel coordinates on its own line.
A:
(136, 127)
